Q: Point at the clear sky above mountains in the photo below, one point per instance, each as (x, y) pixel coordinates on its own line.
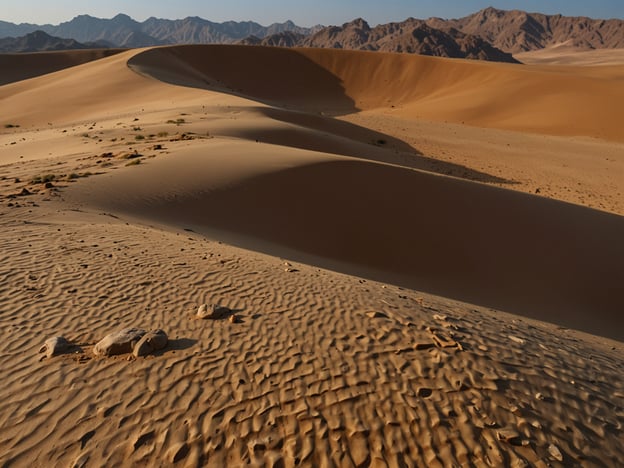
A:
(302, 12)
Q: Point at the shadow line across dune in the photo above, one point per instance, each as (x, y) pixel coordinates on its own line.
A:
(299, 91)
(515, 252)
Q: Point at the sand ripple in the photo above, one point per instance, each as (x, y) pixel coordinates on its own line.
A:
(309, 377)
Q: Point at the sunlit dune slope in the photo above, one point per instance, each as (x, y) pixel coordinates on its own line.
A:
(17, 67)
(494, 95)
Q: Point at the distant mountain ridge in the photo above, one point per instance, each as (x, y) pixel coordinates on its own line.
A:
(39, 41)
(489, 34)
(123, 31)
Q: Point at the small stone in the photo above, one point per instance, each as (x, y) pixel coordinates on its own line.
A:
(555, 452)
(49, 185)
(25, 192)
(507, 435)
(539, 396)
(152, 341)
(234, 319)
(54, 346)
(120, 342)
(515, 339)
(214, 312)
(376, 314)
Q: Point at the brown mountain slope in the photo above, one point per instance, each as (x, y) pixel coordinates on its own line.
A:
(411, 36)
(518, 31)
(281, 39)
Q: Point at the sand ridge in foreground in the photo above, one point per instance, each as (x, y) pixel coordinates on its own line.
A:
(324, 368)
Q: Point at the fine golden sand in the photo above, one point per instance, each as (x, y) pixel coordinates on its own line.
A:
(374, 221)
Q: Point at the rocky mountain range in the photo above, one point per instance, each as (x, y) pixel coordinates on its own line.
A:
(39, 41)
(518, 31)
(123, 31)
(489, 34)
(411, 36)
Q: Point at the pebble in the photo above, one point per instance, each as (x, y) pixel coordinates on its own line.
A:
(507, 435)
(214, 312)
(376, 314)
(515, 339)
(555, 452)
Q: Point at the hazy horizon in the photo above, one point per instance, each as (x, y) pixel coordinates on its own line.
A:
(304, 14)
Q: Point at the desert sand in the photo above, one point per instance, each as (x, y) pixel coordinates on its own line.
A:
(565, 54)
(423, 256)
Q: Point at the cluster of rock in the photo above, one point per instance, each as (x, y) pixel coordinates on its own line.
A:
(133, 340)
(137, 341)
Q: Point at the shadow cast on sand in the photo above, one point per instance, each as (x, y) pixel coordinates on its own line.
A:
(177, 344)
(256, 73)
(489, 246)
(334, 136)
(308, 109)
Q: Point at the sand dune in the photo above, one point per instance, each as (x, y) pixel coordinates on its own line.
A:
(566, 55)
(514, 252)
(483, 94)
(18, 67)
(130, 178)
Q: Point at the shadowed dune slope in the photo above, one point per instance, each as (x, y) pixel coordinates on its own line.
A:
(513, 97)
(17, 67)
(519, 253)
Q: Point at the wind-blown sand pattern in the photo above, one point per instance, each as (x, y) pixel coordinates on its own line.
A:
(378, 259)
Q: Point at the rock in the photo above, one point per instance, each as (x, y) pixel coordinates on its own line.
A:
(49, 185)
(511, 436)
(120, 342)
(234, 319)
(516, 339)
(214, 312)
(555, 452)
(376, 314)
(152, 341)
(25, 192)
(54, 346)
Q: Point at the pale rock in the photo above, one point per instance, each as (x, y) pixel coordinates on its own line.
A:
(54, 346)
(152, 341)
(213, 311)
(120, 342)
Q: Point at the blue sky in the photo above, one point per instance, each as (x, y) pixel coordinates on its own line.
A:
(303, 12)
